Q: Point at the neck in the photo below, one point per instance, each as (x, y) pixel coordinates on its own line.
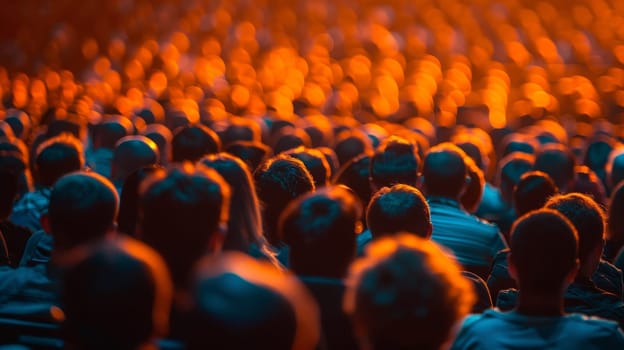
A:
(540, 304)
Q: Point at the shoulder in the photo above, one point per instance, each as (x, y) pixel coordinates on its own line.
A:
(595, 329)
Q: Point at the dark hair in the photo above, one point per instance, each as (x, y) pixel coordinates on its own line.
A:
(118, 296)
(510, 170)
(533, 191)
(395, 162)
(615, 221)
(400, 208)
(129, 199)
(316, 163)
(615, 168)
(252, 153)
(191, 143)
(110, 131)
(181, 212)
(351, 144)
(242, 303)
(245, 220)
(289, 138)
(355, 174)
(587, 182)
(240, 129)
(406, 293)
(597, 155)
(320, 230)
(278, 181)
(132, 153)
(9, 184)
(558, 162)
(544, 249)
(56, 157)
(587, 218)
(444, 171)
(83, 207)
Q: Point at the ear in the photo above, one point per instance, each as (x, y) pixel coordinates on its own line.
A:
(44, 221)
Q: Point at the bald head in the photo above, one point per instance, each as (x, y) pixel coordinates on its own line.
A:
(83, 207)
(444, 171)
(132, 153)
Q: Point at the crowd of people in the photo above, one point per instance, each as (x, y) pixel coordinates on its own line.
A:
(313, 175)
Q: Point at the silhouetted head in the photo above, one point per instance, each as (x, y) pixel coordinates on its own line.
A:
(615, 225)
(320, 228)
(130, 154)
(290, 138)
(532, 191)
(316, 163)
(587, 182)
(444, 171)
(183, 215)
(56, 157)
(241, 129)
(395, 161)
(589, 222)
(252, 153)
(129, 199)
(615, 167)
(510, 170)
(355, 174)
(83, 207)
(471, 198)
(191, 143)
(110, 130)
(519, 143)
(352, 143)
(558, 162)
(19, 122)
(544, 252)
(241, 303)
(9, 186)
(116, 296)
(245, 221)
(162, 137)
(406, 293)
(278, 181)
(597, 155)
(400, 208)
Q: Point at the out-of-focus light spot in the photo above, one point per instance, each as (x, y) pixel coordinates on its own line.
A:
(158, 82)
(90, 48)
(53, 80)
(180, 41)
(240, 96)
(102, 65)
(116, 49)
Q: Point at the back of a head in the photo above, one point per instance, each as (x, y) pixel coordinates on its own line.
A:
(191, 143)
(110, 131)
(320, 228)
(117, 296)
(400, 208)
(252, 153)
(245, 221)
(471, 198)
(406, 293)
(132, 153)
(544, 250)
(241, 303)
(83, 207)
(315, 162)
(444, 171)
(615, 217)
(183, 211)
(396, 161)
(290, 138)
(162, 137)
(558, 162)
(586, 181)
(511, 168)
(355, 174)
(56, 157)
(278, 181)
(9, 186)
(586, 216)
(241, 129)
(351, 144)
(532, 191)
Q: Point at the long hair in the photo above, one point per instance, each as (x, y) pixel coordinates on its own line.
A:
(245, 222)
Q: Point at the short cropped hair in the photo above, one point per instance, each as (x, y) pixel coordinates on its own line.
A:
(56, 157)
(278, 181)
(83, 207)
(191, 143)
(243, 303)
(544, 250)
(315, 162)
(557, 161)
(444, 171)
(406, 293)
(395, 161)
(180, 212)
(396, 209)
(116, 296)
(533, 191)
(586, 216)
(320, 228)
